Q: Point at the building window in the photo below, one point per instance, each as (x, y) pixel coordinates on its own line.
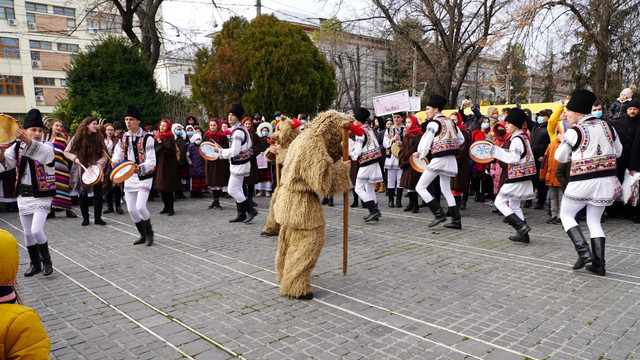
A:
(39, 91)
(63, 82)
(36, 7)
(187, 79)
(104, 22)
(68, 47)
(6, 9)
(44, 81)
(35, 44)
(71, 22)
(10, 48)
(64, 11)
(31, 17)
(35, 55)
(11, 85)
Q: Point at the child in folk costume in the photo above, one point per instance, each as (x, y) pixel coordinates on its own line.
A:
(592, 146)
(367, 152)
(239, 155)
(60, 140)
(114, 191)
(196, 166)
(265, 185)
(34, 161)
(139, 148)
(216, 171)
(87, 148)
(393, 135)
(442, 139)
(521, 170)
(410, 176)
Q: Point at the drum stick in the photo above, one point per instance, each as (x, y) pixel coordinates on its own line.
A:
(345, 205)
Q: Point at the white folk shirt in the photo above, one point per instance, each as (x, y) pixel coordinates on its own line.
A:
(235, 148)
(445, 165)
(134, 184)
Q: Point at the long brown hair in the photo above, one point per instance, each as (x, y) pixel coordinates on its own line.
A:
(87, 146)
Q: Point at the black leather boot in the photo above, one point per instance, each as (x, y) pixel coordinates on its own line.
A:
(391, 195)
(330, 201)
(354, 204)
(456, 221)
(436, 209)
(521, 227)
(325, 201)
(148, 231)
(582, 248)
(117, 198)
(141, 231)
(399, 197)
(84, 209)
(416, 204)
(109, 196)
(411, 200)
(47, 265)
(250, 210)
(97, 206)
(374, 212)
(597, 266)
(34, 256)
(241, 214)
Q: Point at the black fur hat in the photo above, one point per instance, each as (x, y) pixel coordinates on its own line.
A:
(362, 115)
(237, 110)
(33, 119)
(133, 111)
(516, 117)
(581, 101)
(437, 101)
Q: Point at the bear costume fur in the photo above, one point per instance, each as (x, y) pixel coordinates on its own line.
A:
(285, 133)
(311, 169)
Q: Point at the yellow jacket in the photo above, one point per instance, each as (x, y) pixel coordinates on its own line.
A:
(21, 333)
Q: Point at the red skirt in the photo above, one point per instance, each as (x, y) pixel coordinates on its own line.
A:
(198, 183)
(265, 174)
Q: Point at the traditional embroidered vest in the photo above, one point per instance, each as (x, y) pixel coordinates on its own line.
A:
(43, 176)
(391, 132)
(370, 149)
(593, 154)
(139, 152)
(525, 169)
(446, 140)
(246, 150)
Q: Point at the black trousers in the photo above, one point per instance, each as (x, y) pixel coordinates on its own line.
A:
(97, 203)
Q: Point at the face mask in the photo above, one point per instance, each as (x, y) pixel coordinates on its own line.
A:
(597, 114)
(501, 132)
(198, 142)
(265, 133)
(190, 133)
(501, 118)
(178, 132)
(277, 118)
(540, 119)
(484, 126)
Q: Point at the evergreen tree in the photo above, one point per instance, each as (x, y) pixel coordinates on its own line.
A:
(513, 64)
(107, 76)
(548, 79)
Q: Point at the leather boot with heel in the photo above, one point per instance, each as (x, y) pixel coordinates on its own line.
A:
(250, 210)
(436, 209)
(521, 227)
(34, 256)
(391, 195)
(47, 265)
(597, 266)
(374, 212)
(582, 248)
(141, 231)
(241, 214)
(399, 197)
(456, 221)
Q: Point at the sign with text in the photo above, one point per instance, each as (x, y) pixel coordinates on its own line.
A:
(415, 103)
(392, 103)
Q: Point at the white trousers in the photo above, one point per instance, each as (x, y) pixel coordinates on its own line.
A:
(33, 227)
(137, 205)
(393, 178)
(445, 187)
(234, 189)
(365, 191)
(569, 210)
(508, 206)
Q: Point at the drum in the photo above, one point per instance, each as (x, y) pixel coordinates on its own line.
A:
(480, 151)
(418, 165)
(207, 150)
(92, 175)
(8, 126)
(122, 171)
(395, 149)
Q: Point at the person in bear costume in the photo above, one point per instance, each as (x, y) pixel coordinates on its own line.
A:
(286, 131)
(311, 169)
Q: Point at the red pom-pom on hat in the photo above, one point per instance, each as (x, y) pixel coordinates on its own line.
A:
(296, 123)
(356, 130)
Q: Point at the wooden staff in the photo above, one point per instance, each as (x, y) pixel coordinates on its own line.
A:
(277, 172)
(345, 205)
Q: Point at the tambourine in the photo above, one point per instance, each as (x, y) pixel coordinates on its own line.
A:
(8, 126)
(92, 175)
(480, 151)
(417, 164)
(395, 149)
(207, 150)
(122, 171)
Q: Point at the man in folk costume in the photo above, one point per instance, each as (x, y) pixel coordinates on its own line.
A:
(592, 146)
(442, 139)
(521, 170)
(367, 151)
(239, 154)
(394, 135)
(138, 147)
(34, 161)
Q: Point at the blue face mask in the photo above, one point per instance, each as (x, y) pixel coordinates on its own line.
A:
(178, 132)
(540, 119)
(485, 126)
(265, 133)
(597, 114)
(190, 133)
(501, 118)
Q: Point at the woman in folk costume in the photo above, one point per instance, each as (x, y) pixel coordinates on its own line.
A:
(460, 183)
(196, 166)
(368, 152)
(592, 146)
(239, 155)
(114, 191)
(265, 186)
(87, 148)
(216, 171)
(410, 176)
(167, 180)
(60, 139)
(393, 135)
(181, 141)
(442, 139)
(139, 148)
(521, 170)
(34, 162)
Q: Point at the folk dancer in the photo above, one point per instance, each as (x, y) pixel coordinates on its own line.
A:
(394, 135)
(34, 161)
(442, 139)
(592, 146)
(138, 147)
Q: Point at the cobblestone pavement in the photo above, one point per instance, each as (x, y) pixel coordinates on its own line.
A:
(206, 290)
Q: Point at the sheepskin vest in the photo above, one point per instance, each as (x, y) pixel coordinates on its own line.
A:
(370, 149)
(246, 148)
(593, 154)
(43, 176)
(446, 140)
(525, 169)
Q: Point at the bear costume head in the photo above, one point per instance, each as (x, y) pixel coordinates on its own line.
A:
(285, 131)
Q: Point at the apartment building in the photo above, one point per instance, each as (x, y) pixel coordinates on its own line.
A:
(38, 40)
